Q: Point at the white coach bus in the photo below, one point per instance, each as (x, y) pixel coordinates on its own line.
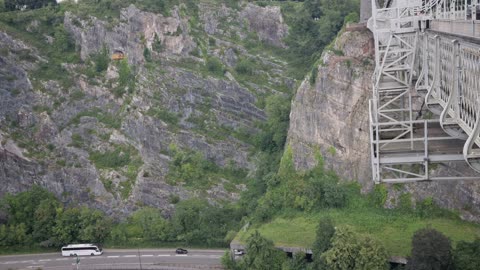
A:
(81, 250)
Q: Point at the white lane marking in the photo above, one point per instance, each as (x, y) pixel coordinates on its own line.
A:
(113, 256)
(164, 255)
(181, 255)
(61, 259)
(147, 255)
(129, 256)
(45, 260)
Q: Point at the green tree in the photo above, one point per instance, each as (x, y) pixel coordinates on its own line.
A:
(45, 216)
(19, 234)
(94, 226)
(298, 262)
(431, 250)
(228, 262)
(274, 134)
(67, 226)
(195, 221)
(323, 240)
(314, 8)
(152, 224)
(29, 4)
(3, 235)
(187, 220)
(118, 234)
(21, 207)
(372, 256)
(349, 251)
(261, 254)
(466, 255)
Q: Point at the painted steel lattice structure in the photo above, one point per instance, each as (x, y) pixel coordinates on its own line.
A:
(417, 69)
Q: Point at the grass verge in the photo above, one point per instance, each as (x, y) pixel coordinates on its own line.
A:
(393, 229)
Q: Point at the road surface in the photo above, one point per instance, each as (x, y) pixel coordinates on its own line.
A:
(118, 259)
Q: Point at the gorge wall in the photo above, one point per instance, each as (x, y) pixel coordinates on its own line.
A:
(108, 138)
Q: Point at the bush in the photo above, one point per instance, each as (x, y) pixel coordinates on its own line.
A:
(313, 75)
(215, 66)
(147, 55)
(426, 208)
(466, 255)
(431, 250)
(405, 203)
(334, 195)
(352, 17)
(126, 79)
(378, 196)
(101, 60)
(245, 67)
(111, 159)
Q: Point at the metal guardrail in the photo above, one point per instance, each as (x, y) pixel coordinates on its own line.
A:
(451, 76)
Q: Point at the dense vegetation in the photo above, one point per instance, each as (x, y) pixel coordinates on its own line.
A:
(37, 218)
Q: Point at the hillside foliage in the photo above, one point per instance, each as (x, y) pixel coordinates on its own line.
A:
(36, 217)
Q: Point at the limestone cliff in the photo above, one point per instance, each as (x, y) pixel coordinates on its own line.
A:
(331, 114)
(98, 138)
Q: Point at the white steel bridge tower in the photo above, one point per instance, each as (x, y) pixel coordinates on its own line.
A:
(426, 88)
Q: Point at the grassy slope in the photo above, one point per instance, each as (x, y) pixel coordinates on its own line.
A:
(393, 228)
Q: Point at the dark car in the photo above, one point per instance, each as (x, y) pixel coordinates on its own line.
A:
(181, 251)
(238, 252)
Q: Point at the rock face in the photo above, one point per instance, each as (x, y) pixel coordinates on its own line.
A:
(267, 22)
(53, 131)
(131, 34)
(331, 115)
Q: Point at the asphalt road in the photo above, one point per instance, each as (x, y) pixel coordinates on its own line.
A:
(118, 259)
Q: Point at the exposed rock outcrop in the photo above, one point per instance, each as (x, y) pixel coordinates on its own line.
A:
(51, 129)
(131, 33)
(331, 115)
(267, 22)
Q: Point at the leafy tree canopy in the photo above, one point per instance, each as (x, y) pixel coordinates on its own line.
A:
(261, 254)
(466, 255)
(351, 251)
(431, 250)
(27, 4)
